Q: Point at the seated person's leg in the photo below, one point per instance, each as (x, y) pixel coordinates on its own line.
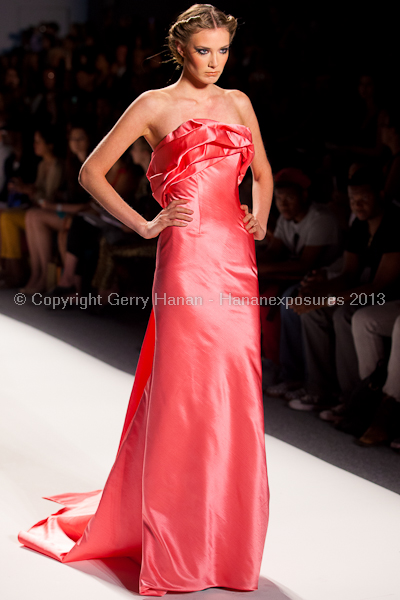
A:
(319, 348)
(12, 225)
(81, 237)
(392, 385)
(345, 354)
(291, 344)
(41, 225)
(385, 426)
(369, 327)
(103, 278)
(270, 324)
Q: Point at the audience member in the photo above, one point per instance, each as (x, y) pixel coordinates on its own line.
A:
(49, 179)
(122, 242)
(306, 237)
(370, 326)
(371, 274)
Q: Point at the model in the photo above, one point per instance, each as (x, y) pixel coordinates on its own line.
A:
(187, 497)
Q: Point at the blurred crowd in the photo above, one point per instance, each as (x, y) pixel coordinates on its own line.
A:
(329, 267)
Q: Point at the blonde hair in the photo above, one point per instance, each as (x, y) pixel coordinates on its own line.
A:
(192, 20)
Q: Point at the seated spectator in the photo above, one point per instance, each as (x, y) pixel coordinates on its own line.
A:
(123, 242)
(306, 236)
(49, 179)
(292, 363)
(56, 215)
(20, 165)
(371, 273)
(370, 325)
(86, 230)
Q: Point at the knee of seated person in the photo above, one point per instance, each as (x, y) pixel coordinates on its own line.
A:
(396, 328)
(365, 319)
(33, 214)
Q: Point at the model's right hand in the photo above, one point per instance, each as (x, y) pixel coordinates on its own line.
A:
(173, 214)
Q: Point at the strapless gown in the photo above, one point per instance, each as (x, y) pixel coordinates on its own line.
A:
(187, 497)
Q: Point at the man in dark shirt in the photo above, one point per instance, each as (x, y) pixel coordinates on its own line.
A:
(371, 275)
(369, 247)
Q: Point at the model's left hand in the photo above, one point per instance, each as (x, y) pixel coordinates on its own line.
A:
(251, 224)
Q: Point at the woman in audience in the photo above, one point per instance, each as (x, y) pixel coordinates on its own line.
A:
(54, 215)
(50, 176)
(84, 233)
(122, 242)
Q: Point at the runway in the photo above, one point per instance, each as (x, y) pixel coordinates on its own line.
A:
(332, 535)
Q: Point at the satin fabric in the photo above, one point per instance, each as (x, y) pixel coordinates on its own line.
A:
(188, 495)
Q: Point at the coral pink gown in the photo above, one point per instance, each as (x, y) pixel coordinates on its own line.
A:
(187, 497)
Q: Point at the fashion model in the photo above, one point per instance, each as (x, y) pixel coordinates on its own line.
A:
(187, 497)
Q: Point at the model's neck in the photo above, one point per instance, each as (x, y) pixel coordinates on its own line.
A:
(193, 88)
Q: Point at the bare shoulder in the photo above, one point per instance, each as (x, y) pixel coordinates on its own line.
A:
(245, 111)
(149, 105)
(241, 103)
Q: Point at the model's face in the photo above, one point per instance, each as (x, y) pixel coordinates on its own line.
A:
(206, 54)
(363, 202)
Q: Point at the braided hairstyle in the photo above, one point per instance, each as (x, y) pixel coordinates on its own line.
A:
(192, 20)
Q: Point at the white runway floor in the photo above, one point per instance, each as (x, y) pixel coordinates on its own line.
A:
(332, 535)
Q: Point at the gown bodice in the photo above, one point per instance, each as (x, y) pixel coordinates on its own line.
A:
(204, 161)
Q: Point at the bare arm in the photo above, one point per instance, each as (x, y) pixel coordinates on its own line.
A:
(134, 123)
(263, 183)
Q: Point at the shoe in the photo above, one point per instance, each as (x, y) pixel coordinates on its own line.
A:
(374, 436)
(279, 390)
(334, 414)
(306, 402)
(383, 427)
(312, 402)
(297, 393)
